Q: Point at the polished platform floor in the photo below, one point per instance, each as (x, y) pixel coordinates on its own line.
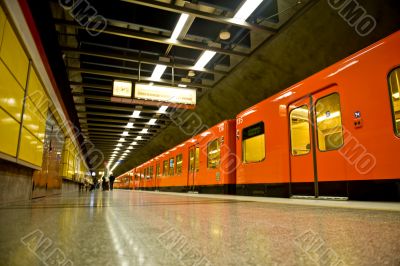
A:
(141, 228)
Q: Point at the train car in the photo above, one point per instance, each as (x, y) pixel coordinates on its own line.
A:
(123, 181)
(205, 163)
(335, 134)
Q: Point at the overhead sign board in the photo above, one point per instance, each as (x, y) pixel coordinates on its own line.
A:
(165, 94)
(122, 88)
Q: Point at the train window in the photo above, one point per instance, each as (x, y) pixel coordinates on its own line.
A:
(158, 169)
(329, 123)
(253, 143)
(171, 166)
(146, 173)
(165, 168)
(179, 164)
(394, 83)
(151, 169)
(213, 153)
(300, 130)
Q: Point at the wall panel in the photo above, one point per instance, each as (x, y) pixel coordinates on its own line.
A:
(13, 55)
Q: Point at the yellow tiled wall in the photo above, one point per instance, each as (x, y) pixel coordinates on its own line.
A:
(15, 108)
(31, 148)
(13, 55)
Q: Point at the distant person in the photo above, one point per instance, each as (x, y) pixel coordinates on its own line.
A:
(112, 178)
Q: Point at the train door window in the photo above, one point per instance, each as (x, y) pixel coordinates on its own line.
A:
(146, 173)
(179, 164)
(329, 123)
(394, 83)
(197, 161)
(165, 168)
(151, 169)
(213, 153)
(171, 166)
(158, 169)
(300, 130)
(191, 160)
(253, 143)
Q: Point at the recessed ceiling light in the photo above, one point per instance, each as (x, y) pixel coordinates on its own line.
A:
(130, 148)
(139, 138)
(129, 125)
(121, 140)
(117, 149)
(182, 85)
(224, 35)
(191, 73)
(134, 143)
(119, 145)
(151, 122)
(125, 133)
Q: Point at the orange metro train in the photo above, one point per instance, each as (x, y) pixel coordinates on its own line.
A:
(334, 134)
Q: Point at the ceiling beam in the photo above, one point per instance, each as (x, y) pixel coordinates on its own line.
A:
(200, 14)
(132, 77)
(138, 59)
(120, 116)
(121, 108)
(128, 33)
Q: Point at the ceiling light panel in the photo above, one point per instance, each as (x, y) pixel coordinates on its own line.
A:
(247, 9)
(179, 26)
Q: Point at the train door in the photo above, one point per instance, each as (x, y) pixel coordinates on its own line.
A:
(194, 153)
(316, 136)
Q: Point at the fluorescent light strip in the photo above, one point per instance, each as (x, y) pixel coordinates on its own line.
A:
(247, 9)
(135, 114)
(158, 72)
(144, 131)
(152, 122)
(179, 26)
(204, 59)
(162, 109)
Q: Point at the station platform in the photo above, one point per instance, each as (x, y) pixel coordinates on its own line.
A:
(124, 227)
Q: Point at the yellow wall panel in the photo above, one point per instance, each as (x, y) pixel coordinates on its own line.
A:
(31, 149)
(9, 131)
(36, 93)
(11, 93)
(2, 24)
(14, 55)
(34, 121)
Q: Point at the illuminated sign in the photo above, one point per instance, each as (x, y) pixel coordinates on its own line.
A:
(165, 94)
(122, 88)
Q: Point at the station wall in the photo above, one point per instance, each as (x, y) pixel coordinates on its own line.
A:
(36, 155)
